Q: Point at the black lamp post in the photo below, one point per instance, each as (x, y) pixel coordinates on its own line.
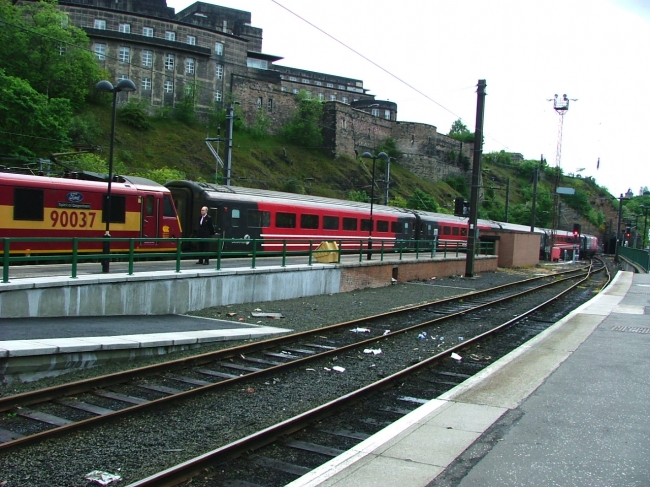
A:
(645, 209)
(122, 85)
(368, 155)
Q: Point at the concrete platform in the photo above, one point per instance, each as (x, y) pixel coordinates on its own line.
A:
(33, 348)
(568, 408)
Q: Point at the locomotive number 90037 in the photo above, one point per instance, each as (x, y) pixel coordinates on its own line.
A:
(72, 219)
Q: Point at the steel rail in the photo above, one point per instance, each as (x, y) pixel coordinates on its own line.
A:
(187, 470)
(13, 403)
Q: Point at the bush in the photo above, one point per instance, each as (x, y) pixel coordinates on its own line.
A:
(134, 114)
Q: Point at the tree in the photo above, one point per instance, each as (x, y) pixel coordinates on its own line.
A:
(419, 200)
(38, 44)
(31, 123)
(459, 131)
(304, 128)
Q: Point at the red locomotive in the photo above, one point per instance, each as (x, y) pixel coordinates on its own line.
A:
(48, 207)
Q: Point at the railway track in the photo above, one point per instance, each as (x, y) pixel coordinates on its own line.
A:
(41, 414)
(294, 447)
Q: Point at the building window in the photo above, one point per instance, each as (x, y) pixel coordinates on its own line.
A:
(330, 85)
(147, 31)
(387, 114)
(125, 28)
(125, 54)
(218, 48)
(188, 90)
(321, 96)
(308, 94)
(147, 58)
(189, 66)
(257, 63)
(341, 87)
(295, 91)
(283, 88)
(120, 77)
(218, 72)
(269, 104)
(306, 81)
(217, 95)
(344, 99)
(191, 40)
(62, 50)
(318, 83)
(146, 83)
(170, 35)
(100, 51)
(293, 78)
(332, 97)
(375, 112)
(259, 102)
(100, 24)
(169, 62)
(169, 86)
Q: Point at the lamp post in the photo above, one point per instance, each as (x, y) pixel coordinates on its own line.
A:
(645, 209)
(368, 155)
(122, 85)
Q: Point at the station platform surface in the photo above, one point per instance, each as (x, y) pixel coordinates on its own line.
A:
(568, 408)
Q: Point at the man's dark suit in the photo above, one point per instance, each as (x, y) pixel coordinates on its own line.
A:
(206, 230)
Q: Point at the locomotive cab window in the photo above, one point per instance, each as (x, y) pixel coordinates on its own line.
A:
(349, 224)
(285, 220)
(258, 219)
(331, 222)
(168, 206)
(308, 221)
(118, 208)
(28, 204)
(382, 226)
(148, 204)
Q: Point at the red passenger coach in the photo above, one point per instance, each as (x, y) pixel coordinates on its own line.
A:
(48, 207)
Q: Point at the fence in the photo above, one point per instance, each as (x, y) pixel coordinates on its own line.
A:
(254, 250)
(638, 256)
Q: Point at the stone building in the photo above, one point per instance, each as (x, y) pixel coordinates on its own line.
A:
(215, 53)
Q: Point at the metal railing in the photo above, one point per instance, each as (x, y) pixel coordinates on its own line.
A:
(638, 256)
(132, 250)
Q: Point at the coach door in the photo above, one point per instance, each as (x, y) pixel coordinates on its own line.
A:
(149, 213)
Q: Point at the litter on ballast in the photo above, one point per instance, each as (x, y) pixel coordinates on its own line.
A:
(374, 351)
(102, 478)
(327, 369)
(275, 316)
(460, 339)
(455, 356)
(231, 314)
(360, 330)
(311, 370)
(336, 368)
(386, 332)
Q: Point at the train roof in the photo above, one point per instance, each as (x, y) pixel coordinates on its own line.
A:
(126, 183)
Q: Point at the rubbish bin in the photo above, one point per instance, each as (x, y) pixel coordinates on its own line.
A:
(327, 253)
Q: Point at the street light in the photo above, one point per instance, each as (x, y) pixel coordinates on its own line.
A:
(368, 155)
(122, 85)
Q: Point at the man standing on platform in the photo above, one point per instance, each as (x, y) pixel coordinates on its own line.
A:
(206, 230)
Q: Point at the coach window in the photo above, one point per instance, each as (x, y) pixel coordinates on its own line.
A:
(308, 221)
(455, 231)
(446, 230)
(382, 226)
(330, 222)
(28, 204)
(350, 224)
(396, 227)
(366, 225)
(148, 205)
(118, 209)
(234, 218)
(285, 220)
(258, 219)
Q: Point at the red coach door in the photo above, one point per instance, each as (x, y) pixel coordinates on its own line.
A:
(149, 211)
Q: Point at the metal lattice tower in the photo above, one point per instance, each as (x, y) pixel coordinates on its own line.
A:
(561, 106)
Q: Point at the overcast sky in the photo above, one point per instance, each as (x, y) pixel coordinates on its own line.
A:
(428, 55)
